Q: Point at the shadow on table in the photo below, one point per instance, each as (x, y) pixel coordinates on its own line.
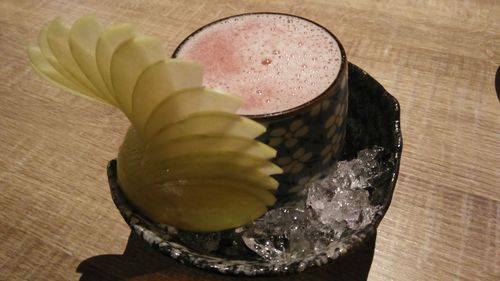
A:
(140, 262)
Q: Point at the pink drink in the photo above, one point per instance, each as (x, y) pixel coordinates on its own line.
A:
(275, 62)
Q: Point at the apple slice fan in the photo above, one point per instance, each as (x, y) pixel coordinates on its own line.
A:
(188, 160)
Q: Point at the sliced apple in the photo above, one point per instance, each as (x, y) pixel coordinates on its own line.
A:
(204, 144)
(58, 39)
(43, 44)
(190, 162)
(183, 103)
(196, 207)
(160, 80)
(260, 186)
(240, 169)
(222, 171)
(108, 42)
(217, 158)
(209, 123)
(217, 173)
(46, 70)
(265, 195)
(128, 62)
(83, 37)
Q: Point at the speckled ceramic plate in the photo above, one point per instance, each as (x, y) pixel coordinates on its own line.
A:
(373, 120)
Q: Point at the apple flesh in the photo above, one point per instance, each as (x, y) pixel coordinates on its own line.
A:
(217, 158)
(196, 204)
(196, 207)
(46, 70)
(43, 45)
(108, 42)
(203, 144)
(179, 105)
(189, 160)
(221, 171)
(159, 81)
(58, 40)
(128, 62)
(209, 123)
(83, 37)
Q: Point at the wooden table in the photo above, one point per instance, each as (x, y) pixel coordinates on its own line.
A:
(438, 58)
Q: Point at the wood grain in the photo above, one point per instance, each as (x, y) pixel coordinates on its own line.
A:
(438, 58)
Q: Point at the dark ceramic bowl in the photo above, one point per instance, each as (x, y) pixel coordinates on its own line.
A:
(372, 120)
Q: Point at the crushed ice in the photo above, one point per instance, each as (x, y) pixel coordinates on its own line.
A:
(325, 212)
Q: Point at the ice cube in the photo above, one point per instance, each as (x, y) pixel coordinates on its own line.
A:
(319, 218)
(315, 221)
(270, 235)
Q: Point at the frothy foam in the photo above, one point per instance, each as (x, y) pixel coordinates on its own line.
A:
(275, 62)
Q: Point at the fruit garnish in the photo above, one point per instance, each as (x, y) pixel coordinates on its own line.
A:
(110, 39)
(83, 37)
(128, 62)
(188, 160)
(158, 81)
